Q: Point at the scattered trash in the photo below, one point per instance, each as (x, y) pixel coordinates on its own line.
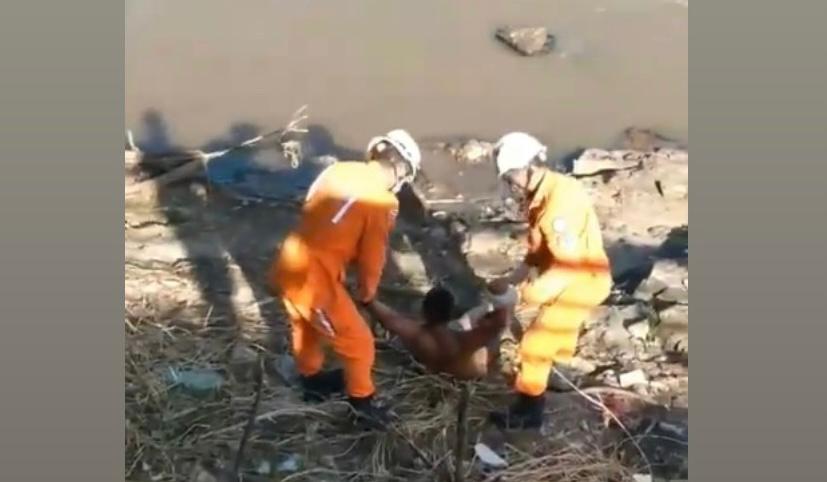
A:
(290, 464)
(642, 478)
(527, 41)
(489, 457)
(264, 467)
(630, 379)
(199, 381)
(491, 238)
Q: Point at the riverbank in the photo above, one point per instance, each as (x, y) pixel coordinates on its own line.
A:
(195, 260)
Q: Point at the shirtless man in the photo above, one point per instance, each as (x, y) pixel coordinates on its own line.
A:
(467, 353)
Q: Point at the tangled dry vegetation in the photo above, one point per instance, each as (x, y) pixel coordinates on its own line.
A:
(177, 434)
(171, 434)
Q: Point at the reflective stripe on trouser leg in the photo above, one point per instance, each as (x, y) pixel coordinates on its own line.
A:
(353, 343)
(553, 334)
(305, 343)
(540, 346)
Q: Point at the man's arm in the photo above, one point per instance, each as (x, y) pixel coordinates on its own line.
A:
(488, 328)
(410, 333)
(402, 326)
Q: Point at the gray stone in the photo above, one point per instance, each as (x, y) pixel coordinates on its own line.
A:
(677, 343)
(678, 295)
(671, 177)
(674, 316)
(615, 337)
(527, 41)
(486, 241)
(473, 152)
(632, 379)
(286, 368)
(639, 329)
(198, 381)
(668, 282)
(639, 139)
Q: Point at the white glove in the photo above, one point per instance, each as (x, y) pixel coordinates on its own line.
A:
(507, 299)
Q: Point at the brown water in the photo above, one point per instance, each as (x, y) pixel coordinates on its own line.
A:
(215, 70)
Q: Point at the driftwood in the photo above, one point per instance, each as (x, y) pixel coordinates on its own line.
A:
(147, 191)
(586, 166)
(181, 166)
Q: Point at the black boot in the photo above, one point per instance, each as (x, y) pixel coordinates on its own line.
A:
(526, 413)
(323, 385)
(366, 413)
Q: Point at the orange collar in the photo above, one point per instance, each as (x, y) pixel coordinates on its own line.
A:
(542, 192)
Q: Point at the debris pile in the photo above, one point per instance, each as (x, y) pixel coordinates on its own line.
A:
(199, 318)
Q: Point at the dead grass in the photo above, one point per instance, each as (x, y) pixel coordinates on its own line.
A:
(168, 432)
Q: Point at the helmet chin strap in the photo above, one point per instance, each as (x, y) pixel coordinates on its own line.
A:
(400, 181)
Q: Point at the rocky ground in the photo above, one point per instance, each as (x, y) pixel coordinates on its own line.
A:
(197, 316)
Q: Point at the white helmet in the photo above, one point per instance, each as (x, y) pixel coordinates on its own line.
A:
(402, 141)
(516, 150)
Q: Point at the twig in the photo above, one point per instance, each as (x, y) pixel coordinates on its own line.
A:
(239, 456)
(601, 405)
(431, 202)
(621, 392)
(264, 416)
(462, 429)
(200, 159)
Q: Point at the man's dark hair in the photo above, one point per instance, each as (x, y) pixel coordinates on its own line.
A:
(438, 306)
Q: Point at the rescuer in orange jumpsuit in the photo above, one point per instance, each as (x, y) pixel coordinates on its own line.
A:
(347, 217)
(565, 246)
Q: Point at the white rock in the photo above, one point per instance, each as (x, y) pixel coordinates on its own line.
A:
(264, 467)
(630, 379)
(290, 464)
(639, 330)
(489, 457)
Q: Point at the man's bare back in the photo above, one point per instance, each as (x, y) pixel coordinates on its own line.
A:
(463, 354)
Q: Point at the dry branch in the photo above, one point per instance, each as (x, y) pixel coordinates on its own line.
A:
(462, 430)
(191, 164)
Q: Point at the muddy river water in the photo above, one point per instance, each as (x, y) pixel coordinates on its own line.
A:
(199, 70)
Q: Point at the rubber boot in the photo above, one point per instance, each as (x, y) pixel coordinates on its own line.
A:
(323, 385)
(367, 414)
(525, 413)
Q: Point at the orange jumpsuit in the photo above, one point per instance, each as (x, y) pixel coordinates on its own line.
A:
(347, 217)
(566, 248)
